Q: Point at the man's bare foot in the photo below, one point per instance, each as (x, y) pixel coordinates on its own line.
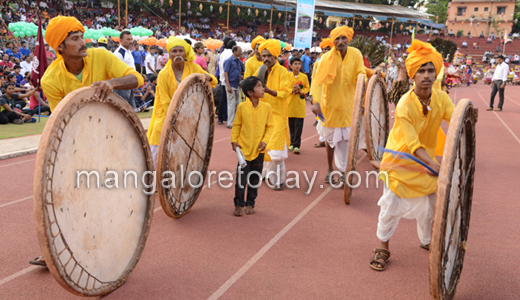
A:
(250, 210)
(376, 164)
(238, 211)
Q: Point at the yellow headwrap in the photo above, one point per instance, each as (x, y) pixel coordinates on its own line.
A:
(420, 54)
(326, 43)
(58, 29)
(327, 71)
(257, 40)
(273, 46)
(174, 42)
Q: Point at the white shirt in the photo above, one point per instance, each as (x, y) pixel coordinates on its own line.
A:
(227, 53)
(126, 56)
(517, 58)
(149, 60)
(26, 67)
(501, 72)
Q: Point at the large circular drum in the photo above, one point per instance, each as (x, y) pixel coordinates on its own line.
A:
(92, 220)
(355, 132)
(453, 203)
(377, 127)
(185, 146)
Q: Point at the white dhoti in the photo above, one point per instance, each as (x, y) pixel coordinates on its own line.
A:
(319, 128)
(274, 170)
(338, 140)
(154, 149)
(362, 144)
(394, 208)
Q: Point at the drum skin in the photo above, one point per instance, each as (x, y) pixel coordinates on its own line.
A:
(453, 203)
(355, 130)
(377, 123)
(185, 146)
(91, 238)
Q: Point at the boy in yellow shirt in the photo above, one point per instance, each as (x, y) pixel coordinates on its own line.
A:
(410, 193)
(297, 104)
(252, 129)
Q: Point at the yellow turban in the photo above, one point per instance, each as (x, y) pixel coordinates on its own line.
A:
(257, 40)
(273, 46)
(174, 42)
(420, 54)
(326, 43)
(327, 68)
(343, 30)
(58, 30)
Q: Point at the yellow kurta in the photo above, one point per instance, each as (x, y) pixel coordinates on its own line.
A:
(251, 127)
(252, 65)
(280, 82)
(99, 65)
(296, 104)
(412, 130)
(337, 99)
(166, 87)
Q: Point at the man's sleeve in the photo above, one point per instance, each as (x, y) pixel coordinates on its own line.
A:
(237, 125)
(116, 68)
(53, 95)
(506, 72)
(227, 64)
(450, 107)
(285, 85)
(306, 86)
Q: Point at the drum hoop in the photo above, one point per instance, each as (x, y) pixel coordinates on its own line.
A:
(353, 144)
(45, 159)
(462, 114)
(370, 101)
(171, 117)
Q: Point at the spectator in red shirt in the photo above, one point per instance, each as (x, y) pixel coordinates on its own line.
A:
(5, 62)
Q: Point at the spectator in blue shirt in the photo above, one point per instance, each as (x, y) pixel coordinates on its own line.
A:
(17, 74)
(8, 51)
(17, 54)
(143, 55)
(306, 64)
(233, 71)
(24, 49)
(137, 60)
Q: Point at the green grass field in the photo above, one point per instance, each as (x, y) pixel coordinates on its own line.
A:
(13, 130)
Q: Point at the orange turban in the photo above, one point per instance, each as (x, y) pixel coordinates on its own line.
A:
(58, 29)
(273, 46)
(420, 54)
(328, 62)
(326, 43)
(343, 30)
(257, 40)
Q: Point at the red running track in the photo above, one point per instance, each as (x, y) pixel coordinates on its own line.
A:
(297, 246)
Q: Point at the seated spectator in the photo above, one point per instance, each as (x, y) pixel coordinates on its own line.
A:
(44, 109)
(19, 77)
(450, 34)
(465, 45)
(482, 35)
(26, 64)
(5, 62)
(469, 34)
(490, 40)
(12, 105)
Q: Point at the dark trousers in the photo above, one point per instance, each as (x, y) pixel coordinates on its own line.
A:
(295, 129)
(254, 180)
(496, 87)
(222, 105)
(138, 68)
(42, 109)
(8, 116)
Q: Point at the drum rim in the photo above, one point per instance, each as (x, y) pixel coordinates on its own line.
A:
(438, 290)
(372, 84)
(62, 114)
(354, 136)
(171, 117)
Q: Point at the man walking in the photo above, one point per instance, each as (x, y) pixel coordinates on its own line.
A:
(306, 64)
(499, 83)
(233, 71)
(124, 53)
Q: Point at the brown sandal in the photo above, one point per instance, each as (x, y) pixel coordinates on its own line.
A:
(319, 145)
(38, 261)
(381, 257)
(427, 247)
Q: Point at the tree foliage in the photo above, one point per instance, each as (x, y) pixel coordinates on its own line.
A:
(438, 8)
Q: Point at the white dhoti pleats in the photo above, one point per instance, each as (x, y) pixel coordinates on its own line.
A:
(394, 208)
(154, 149)
(274, 170)
(338, 139)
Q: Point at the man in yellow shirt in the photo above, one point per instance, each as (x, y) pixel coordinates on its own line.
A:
(255, 62)
(77, 67)
(300, 87)
(333, 95)
(252, 129)
(325, 45)
(277, 91)
(410, 192)
(179, 66)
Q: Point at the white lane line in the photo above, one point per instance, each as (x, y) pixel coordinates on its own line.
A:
(512, 100)
(266, 248)
(16, 201)
(222, 140)
(16, 163)
(514, 135)
(18, 274)
(218, 293)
